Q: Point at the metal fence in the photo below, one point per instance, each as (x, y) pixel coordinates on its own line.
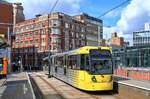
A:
(132, 62)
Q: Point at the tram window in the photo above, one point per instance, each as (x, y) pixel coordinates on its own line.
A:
(84, 62)
(59, 61)
(72, 62)
(87, 62)
(82, 65)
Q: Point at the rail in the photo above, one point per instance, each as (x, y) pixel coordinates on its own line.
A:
(65, 91)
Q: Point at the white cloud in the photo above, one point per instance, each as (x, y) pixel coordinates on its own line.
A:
(107, 31)
(33, 7)
(133, 17)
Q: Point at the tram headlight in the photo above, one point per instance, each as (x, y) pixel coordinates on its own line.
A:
(94, 79)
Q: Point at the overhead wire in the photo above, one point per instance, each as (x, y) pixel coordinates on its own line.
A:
(54, 6)
(113, 8)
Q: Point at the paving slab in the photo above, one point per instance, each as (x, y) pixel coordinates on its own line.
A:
(67, 91)
(17, 87)
(44, 90)
(133, 89)
(133, 83)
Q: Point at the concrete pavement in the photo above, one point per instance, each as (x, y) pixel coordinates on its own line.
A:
(132, 89)
(145, 85)
(17, 87)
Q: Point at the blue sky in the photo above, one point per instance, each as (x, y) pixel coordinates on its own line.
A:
(98, 7)
(124, 20)
(92, 7)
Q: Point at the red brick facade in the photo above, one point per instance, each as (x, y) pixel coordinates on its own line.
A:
(6, 17)
(56, 32)
(115, 40)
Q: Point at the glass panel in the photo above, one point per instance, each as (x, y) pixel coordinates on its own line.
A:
(55, 31)
(55, 22)
(56, 40)
(59, 61)
(100, 62)
(72, 62)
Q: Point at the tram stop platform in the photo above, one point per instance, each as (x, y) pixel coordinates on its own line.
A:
(16, 86)
(52, 88)
(124, 88)
(133, 89)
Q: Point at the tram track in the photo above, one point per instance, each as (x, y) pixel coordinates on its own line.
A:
(51, 86)
(65, 91)
(43, 89)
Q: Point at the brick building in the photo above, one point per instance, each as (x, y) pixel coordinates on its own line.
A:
(94, 29)
(10, 13)
(115, 40)
(63, 32)
(6, 18)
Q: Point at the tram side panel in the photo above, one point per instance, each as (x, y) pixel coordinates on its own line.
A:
(70, 72)
(82, 79)
(69, 76)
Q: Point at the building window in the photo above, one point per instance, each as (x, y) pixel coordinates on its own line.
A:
(77, 28)
(56, 47)
(31, 35)
(26, 35)
(55, 22)
(66, 25)
(43, 31)
(43, 40)
(35, 33)
(82, 29)
(56, 40)
(55, 31)
(31, 41)
(43, 47)
(36, 41)
(72, 26)
(26, 43)
(17, 37)
(77, 35)
(21, 35)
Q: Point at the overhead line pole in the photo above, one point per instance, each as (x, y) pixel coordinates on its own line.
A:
(49, 53)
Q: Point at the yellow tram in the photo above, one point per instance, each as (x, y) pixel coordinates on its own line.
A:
(87, 68)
